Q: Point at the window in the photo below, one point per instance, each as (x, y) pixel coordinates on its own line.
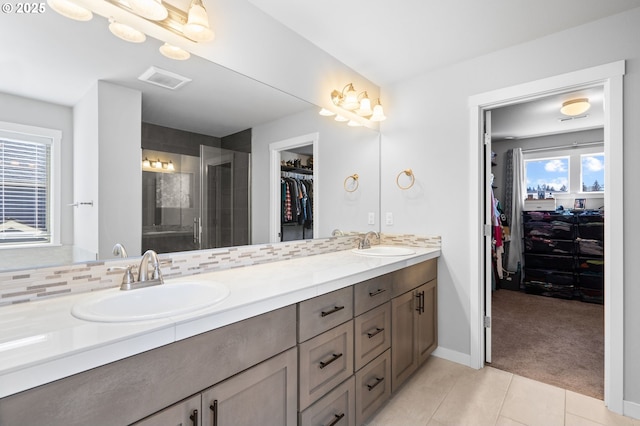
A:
(26, 185)
(592, 172)
(547, 177)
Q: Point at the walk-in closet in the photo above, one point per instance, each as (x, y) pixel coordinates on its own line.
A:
(547, 208)
(296, 191)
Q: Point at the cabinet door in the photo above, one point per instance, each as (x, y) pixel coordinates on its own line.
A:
(427, 320)
(264, 394)
(185, 413)
(404, 354)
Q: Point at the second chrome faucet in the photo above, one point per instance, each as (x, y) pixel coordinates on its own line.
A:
(145, 279)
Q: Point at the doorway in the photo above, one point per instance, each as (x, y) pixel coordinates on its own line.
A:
(609, 76)
(310, 141)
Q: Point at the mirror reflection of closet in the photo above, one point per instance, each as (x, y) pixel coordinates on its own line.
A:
(296, 190)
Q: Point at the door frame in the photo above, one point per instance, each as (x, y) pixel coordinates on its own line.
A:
(275, 148)
(610, 77)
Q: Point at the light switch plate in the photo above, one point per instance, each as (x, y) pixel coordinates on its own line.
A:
(389, 218)
(372, 218)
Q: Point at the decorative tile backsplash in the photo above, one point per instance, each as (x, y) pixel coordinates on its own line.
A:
(38, 284)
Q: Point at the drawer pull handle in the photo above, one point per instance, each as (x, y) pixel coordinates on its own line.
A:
(214, 408)
(337, 418)
(194, 417)
(377, 331)
(334, 310)
(377, 292)
(323, 364)
(378, 381)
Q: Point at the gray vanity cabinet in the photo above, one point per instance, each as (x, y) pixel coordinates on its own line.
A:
(414, 333)
(336, 408)
(373, 386)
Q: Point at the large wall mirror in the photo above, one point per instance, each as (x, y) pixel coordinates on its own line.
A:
(52, 63)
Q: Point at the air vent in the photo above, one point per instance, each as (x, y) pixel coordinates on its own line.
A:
(572, 118)
(164, 78)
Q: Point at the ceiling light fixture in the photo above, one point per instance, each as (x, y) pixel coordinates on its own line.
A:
(150, 9)
(125, 32)
(575, 107)
(360, 104)
(70, 10)
(174, 52)
(197, 26)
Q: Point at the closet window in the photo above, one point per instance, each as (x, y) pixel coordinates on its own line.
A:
(592, 172)
(26, 183)
(546, 177)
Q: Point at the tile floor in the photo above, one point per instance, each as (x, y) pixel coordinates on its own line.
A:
(446, 393)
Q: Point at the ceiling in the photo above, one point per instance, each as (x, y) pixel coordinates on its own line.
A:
(47, 60)
(369, 36)
(388, 41)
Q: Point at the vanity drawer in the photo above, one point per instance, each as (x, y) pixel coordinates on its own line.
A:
(373, 386)
(325, 361)
(338, 407)
(414, 276)
(324, 312)
(371, 293)
(372, 334)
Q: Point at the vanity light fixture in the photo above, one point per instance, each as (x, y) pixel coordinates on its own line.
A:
(146, 162)
(70, 10)
(125, 32)
(192, 24)
(575, 107)
(360, 104)
(158, 165)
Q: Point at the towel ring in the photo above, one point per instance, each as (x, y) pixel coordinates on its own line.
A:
(409, 173)
(353, 177)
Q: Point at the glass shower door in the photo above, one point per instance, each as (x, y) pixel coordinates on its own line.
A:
(224, 198)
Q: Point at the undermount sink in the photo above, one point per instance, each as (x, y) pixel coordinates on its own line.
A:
(149, 303)
(379, 251)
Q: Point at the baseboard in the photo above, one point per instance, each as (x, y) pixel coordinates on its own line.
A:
(631, 409)
(451, 355)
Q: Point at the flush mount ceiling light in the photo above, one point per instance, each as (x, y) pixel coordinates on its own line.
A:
(70, 10)
(359, 104)
(575, 107)
(126, 32)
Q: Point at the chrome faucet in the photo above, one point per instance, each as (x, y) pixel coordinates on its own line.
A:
(118, 250)
(143, 270)
(365, 243)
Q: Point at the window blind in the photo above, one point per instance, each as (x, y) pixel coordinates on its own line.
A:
(25, 182)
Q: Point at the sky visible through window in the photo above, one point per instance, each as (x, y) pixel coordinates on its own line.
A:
(547, 176)
(592, 172)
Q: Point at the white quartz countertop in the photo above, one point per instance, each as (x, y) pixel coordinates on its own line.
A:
(41, 341)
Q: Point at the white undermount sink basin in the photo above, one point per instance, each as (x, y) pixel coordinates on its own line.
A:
(148, 303)
(379, 251)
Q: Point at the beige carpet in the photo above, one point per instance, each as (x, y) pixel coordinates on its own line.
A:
(554, 341)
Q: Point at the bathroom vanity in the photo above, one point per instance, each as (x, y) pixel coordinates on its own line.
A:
(324, 339)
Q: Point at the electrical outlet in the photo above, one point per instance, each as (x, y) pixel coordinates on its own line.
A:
(389, 218)
(372, 218)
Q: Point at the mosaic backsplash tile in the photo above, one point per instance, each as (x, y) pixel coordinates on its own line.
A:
(37, 284)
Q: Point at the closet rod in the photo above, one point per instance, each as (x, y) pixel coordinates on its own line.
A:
(555, 148)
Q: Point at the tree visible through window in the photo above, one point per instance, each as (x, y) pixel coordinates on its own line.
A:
(25, 199)
(592, 172)
(546, 177)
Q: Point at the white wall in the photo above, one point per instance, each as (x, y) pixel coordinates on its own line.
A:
(108, 168)
(343, 151)
(430, 130)
(15, 109)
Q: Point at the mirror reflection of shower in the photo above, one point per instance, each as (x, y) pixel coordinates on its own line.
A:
(192, 203)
